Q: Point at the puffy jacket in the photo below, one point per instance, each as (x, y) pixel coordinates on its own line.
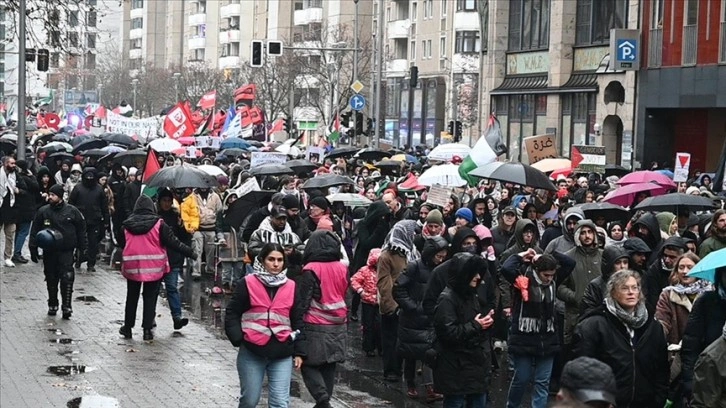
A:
(594, 295)
(266, 318)
(67, 220)
(463, 363)
(415, 328)
(566, 241)
(90, 199)
(189, 210)
(364, 282)
(640, 363)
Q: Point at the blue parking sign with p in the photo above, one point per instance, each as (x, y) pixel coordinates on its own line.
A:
(627, 49)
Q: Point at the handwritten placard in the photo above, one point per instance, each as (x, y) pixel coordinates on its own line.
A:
(540, 147)
(438, 195)
(262, 158)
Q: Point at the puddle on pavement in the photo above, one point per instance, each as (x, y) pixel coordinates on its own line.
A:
(58, 332)
(62, 341)
(72, 369)
(93, 401)
(66, 353)
(87, 298)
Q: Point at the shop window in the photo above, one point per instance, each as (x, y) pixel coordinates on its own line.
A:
(595, 19)
(541, 105)
(529, 25)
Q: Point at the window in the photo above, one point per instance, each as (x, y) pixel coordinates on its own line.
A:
(197, 55)
(529, 25)
(71, 81)
(71, 61)
(413, 50)
(54, 60)
(691, 17)
(73, 18)
(54, 38)
(91, 18)
(656, 19)
(428, 8)
(313, 4)
(91, 2)
(426, 45)
(137, 23)
(465, 5)
(137, 4)
(541, 105)
(90, 82)
(73, 39)
(90, 61)
(91, 40)
(298, 6)
(467, 42)
(442, 47)
(136, 44)
(414, 11)
(595, 19)
(444, 5)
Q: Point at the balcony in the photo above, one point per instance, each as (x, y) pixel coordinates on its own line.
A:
(690, 44)
(197, 43)
(229, 62)
(230, 10)
(136, 13)
(396, 67)
(135, 53)
(465, 62)
(308, 16)
(136, 33)
(197, 19)
(229, 36)
(655, 48)
(466, 21)
(398, 29)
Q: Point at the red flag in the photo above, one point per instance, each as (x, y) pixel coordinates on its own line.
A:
(152, 165)
(575, 157)
(40, 121)
(256, 115)
(100, 112)
(245, 93)
(208, 100)
(245, 120)
(277, 126)
(178, 122)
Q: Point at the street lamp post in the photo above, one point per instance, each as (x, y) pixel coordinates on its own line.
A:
(176, 76)
(135, 84)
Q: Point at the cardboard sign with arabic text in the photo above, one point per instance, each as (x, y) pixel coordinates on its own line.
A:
(540, 147)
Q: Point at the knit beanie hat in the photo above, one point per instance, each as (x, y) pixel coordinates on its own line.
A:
(291, 201)
(465, 213)
(56, 189)
(435, 217)
(320, 202)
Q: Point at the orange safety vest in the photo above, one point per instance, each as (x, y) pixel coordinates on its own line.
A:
(266, 317)
(331, 308)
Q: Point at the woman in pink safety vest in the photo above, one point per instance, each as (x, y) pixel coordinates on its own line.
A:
(144, 262)
(263, 321)
(322, 288)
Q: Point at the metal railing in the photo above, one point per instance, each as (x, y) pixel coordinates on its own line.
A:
(655, 48)
(690, 44)
(722, 47)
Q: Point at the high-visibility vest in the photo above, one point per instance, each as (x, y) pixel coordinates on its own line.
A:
(331, 308)
(144, 258)
(267, 317)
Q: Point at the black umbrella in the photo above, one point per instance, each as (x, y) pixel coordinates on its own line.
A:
(255, 143)
(181, 176)
(97, 153)
(243, 206)
(271, 170)
(130, 158)
(88, 145)
(389, 164)
(516, 173)
(61, 137)
(371, 154)
(61, 155)
(233, 152)
(615, 170)
(301, 166)
(328, 180)
(676, 203)
(611, 212)
(81, 139)
(342, 152)
(119, 139)
(7, 146)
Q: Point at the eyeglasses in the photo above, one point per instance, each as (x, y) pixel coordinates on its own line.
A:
(626, 289)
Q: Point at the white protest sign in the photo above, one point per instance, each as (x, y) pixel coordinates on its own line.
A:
(190, 152)
(201, 141)
(248, 186)
(262, 158)
(144, 129)
(315, 154)
(438, 195)
(680, 170)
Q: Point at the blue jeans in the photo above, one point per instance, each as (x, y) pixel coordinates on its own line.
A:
(526, 367)
(21, 234)
(465, 400)
(232, 271)
(171, 280)
(252, 368)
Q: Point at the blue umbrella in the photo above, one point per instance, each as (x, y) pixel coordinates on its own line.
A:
(706, 268)
(666, 173)
(234, 142)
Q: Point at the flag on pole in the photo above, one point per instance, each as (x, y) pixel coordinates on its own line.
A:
(124, 110)
(234, 127)
(208, 101)
(100, 112)
(45, 101)
(480, 155)
(719, 181)
(229, 118)
(178, 122)
(277, 126)
(335, 134)
(150, 168)
(206, 126)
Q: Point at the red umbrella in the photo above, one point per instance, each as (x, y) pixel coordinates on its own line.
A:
(626, 194)
(647, 176)
(561, 172)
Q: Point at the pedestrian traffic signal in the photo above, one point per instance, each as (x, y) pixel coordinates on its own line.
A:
(450, 127)
(457, 130)
(369, 127)
(256, 54)
(43, 60)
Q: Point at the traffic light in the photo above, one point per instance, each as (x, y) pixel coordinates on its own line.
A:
(345, 119)
(30, 55)
(413, 80)
(457, 130)
(274, 47)
(287, 126)
(349, 134)
(43, 60)
(358, 123)
(450, 128)
(369, 127)
(257, 50)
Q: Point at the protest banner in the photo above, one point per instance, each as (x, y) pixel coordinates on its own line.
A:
(144, 129)
(438, 195)
(588, 159)
(262, 158)
(540, 147)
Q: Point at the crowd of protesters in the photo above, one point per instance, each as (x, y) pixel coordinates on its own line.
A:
(500, 268)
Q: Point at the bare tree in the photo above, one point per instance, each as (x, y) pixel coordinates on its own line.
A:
(275, 84)
(198, 78)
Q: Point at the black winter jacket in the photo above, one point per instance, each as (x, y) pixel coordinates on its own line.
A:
(172, 219)
(463, 364)
(90, 200)
(656, 278)
(143, 219)
(251, 223)
(132, 191)
(67, 220)
(371, 232)
(595, 292)
(25, 201)
(640, 364)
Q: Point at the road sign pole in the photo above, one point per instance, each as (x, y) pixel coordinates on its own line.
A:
(21, 81)
(379, 71)
(355, 64)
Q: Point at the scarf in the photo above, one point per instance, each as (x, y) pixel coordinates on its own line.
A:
(695, 288)
(268, 279)
(400, 239)
(537, 313)
(632, 321)
(7, 186)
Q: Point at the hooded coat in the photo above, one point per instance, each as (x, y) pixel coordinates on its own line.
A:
(25, 201)
(89, 198)
(517, 242)
(635, 245)
(656, 277)
(463, 363)
(654, 239)
(415, 328)
(587, 268)
(371, 232)
(594, 295)
(566, 241)
(486, 218)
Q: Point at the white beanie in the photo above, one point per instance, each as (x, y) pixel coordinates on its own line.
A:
(76, 167)
(693, 189)
(132, 171)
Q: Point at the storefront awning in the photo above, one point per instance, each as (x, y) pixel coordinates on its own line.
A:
(522, 84)
(583, 82)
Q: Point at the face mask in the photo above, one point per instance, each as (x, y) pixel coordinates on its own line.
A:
(470, 249)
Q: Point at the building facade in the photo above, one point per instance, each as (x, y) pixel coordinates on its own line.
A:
(682, 83)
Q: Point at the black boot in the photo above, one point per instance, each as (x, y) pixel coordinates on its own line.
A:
(125, 331)
(148, 334)
(180, 322)
(52, 310)
(67, 296)
(67, 312)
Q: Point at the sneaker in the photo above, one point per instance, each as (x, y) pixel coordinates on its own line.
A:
(125, 331)
(8, 263)
(412, 392)
(20, 259)
(180, 322)
(52, 310)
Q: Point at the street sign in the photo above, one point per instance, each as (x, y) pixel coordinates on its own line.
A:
(357, 102)
(357, 86)
(624, 46)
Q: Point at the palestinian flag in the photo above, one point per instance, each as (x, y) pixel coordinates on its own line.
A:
(335, 129)
(480, 155)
